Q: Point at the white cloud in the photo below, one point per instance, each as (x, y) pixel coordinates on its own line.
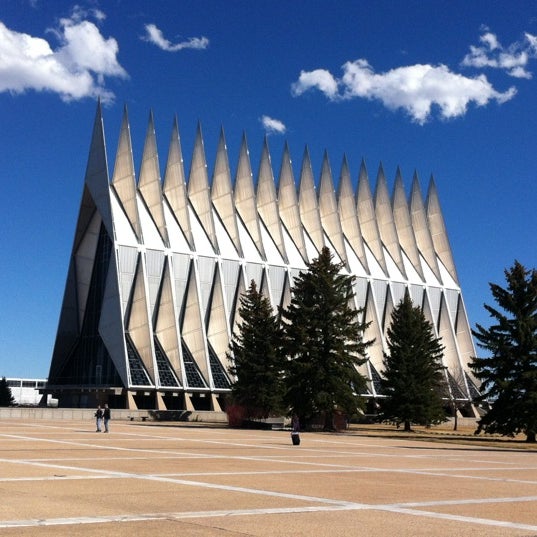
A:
(414, 89)
(272, 125)
(320, 79)
(74, 70)
(513, 59)
(155, 36)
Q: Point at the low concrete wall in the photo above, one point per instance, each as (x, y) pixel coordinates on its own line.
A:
(39, 413)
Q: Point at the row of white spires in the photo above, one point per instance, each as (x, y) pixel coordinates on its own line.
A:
(388, 242)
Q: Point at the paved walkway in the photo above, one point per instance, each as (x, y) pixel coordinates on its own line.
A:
(64, 479)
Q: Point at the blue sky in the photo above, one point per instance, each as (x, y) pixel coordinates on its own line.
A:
(440, 87)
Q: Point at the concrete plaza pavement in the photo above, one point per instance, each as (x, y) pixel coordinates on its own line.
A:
(62, 478)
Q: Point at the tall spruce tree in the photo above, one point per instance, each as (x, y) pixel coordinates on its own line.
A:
(412, 380)
(256, 357)
(509, 373)
(323, 342)
(6, 397)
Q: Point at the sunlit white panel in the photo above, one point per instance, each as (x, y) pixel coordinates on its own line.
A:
(155, 263)
(201, 241)
(430, 278)
(249, 249)
(227, 248)
(124, 233)
(335, 254)
(293, 255)
(272, 252)
(310, 249)
(354, 263)
(374, 267)
(393, 269)
(447, 280)
(152, 238)
(178, 242)
(412, 274)
(128, 259)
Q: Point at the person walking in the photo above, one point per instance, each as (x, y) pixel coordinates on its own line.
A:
(106, 417)
(98, 418)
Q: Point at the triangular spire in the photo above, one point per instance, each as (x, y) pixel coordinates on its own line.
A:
(244, 194)
(366, 216)
(124, 180)
(328, 211)
(96, 181)
(267, 204)
(175, 188)
(347, 214)
(288, 204)
(438, 230)
(420, 225)
(198, 189)
(149, 183)
(222, 193)
(386, 225)
(307, 200)
(403, 224)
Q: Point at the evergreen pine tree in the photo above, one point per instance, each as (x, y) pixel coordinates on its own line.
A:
(6, 397)
(412, 380)
(509, 373)
(256, 357)
(323, 342)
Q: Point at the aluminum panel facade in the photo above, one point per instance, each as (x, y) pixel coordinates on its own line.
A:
(157, 270)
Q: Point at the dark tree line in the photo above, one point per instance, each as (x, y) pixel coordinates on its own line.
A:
(304, 359)
(508, 373)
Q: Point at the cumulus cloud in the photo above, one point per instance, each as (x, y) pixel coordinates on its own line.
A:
(512, 59)
(75, 69)
(154, 35)
(272, 125)
(414, 89)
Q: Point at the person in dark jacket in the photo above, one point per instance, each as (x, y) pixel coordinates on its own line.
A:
(98, 418)
(106, 416)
